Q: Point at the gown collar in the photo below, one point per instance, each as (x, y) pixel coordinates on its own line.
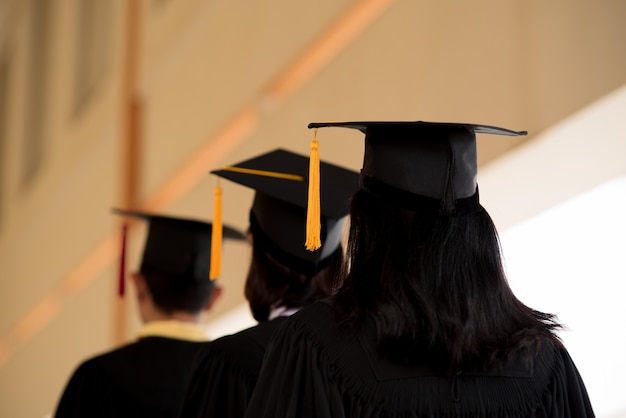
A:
(178, 330)
(282, 311)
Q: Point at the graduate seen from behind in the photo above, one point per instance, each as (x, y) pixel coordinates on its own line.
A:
(283, 276)
(424, 323)
(146, 378)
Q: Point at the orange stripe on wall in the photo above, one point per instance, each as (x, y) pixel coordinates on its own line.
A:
(234, 132)
(325, 47)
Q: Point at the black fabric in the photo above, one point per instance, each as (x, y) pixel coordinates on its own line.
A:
(430, 159)
(310, 266)
(337, 184)
(311, 369)
(176, 248)
(363, 126)
(225, 372)
(280, 204)
(143, 379)
(405, 200)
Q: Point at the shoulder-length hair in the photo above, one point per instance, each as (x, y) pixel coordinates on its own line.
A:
(271, 283)
(434, 284)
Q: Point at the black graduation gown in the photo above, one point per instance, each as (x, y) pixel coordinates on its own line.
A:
(313, 370)
(225, 372)
(143, 379)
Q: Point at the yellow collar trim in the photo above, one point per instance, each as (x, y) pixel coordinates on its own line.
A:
(178, 330)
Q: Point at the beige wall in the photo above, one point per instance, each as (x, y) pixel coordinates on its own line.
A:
(518, 64)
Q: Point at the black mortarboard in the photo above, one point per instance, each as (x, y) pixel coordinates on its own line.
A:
(407, 161)
(278, 213)
(177, 248)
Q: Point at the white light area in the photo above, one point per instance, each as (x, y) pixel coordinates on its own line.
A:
(569, 260)
(558, 201)
(576, 154)
(235, 320)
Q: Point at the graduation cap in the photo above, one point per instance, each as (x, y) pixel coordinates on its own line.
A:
(280, 179)
(413, 164)
(175, 247)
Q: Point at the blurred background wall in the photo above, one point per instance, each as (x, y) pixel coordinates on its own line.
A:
(131, 103)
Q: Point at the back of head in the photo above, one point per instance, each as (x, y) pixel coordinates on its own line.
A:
(178, 293)
(176, 261)
(272, 283)
(283, 273)
(434, 285)
(424, 256)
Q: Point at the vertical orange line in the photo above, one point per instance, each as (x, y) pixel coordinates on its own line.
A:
(130, 144)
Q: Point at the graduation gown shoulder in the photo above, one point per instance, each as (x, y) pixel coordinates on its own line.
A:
(225, 372)
(311, 369)
(145, 378)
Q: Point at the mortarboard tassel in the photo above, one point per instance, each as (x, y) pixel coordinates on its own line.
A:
(121, 283)
(216, 234)
(313, 217)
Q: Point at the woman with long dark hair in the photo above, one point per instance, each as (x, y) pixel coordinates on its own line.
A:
(282, 278)
(423, 323)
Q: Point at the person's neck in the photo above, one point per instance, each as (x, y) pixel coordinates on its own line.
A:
(182, 316)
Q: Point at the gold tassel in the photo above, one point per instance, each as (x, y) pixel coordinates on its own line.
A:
(313, 217)
(216, 235)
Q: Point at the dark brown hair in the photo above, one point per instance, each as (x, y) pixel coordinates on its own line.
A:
(182, 292)
(271, 283)
(434, 285)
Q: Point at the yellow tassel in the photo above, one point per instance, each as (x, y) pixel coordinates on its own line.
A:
(313, 217)
(216, 235)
